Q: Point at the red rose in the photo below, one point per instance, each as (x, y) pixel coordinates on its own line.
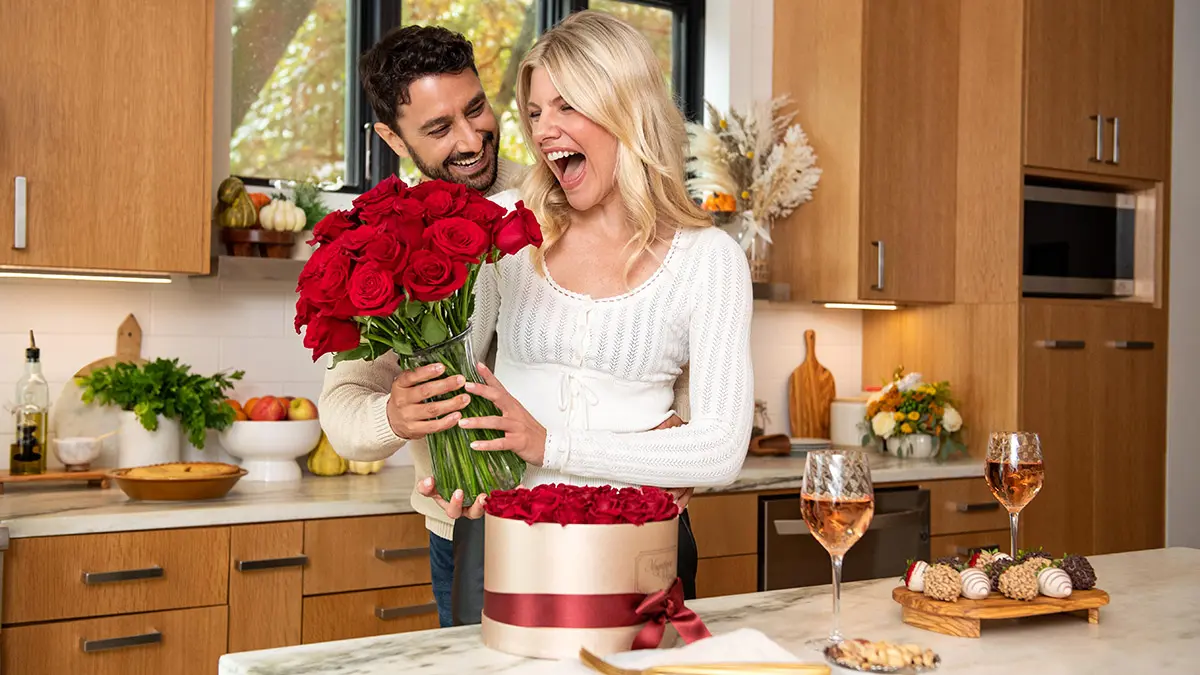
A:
(482, 211)
(440, 198)
(356, 239)
(517, 230)
(406, 221)
(331, 227)
(372, 290)
(326, 335)
(388, 189)
(386, 250)
(432, 276)
(324, 276)
(576, 505)
(458, 238)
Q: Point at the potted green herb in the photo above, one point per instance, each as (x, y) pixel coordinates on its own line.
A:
(164, 403)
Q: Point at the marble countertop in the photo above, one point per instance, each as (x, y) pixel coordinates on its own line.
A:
(1149, 626)
(31, 511)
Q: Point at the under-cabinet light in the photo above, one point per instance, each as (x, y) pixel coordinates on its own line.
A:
(84, 277)
(857, 305)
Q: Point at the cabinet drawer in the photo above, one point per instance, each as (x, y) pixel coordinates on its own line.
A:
(343, 616)
(965, 505)
(725, 524)
(731, 575)
(353, 554)
(181, 642)
(49, 578)
(963, 545)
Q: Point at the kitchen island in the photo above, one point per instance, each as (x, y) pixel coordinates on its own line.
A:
(39, 512)
(1150, 626)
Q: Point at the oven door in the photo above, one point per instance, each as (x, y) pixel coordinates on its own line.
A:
(791, 557)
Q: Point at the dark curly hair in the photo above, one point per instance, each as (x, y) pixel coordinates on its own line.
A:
(407, 54)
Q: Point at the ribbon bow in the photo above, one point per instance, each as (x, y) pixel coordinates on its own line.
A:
(667, 605)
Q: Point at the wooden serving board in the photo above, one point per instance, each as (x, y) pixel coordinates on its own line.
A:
(96, 478)
(962, 618)
(811, 392)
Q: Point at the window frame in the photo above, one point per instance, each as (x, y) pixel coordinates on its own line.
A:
(377, 17)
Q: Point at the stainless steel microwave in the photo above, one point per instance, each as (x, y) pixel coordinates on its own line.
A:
(1077, 243)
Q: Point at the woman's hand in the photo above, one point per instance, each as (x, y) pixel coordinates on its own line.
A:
(454, 507)
(682, 495)
(522, 433)
(410, 416)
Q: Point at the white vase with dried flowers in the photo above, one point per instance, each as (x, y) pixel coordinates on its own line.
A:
(752, 169)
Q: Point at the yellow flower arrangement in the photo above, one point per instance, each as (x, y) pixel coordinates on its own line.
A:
(907, 405)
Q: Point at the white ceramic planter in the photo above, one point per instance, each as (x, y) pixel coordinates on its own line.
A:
(916, 446)
(138, 447)
(269, 450)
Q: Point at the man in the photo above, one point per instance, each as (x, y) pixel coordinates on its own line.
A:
(424, 89)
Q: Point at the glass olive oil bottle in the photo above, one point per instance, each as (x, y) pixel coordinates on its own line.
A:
(28, 452)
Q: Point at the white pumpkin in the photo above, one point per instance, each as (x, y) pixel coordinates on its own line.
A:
(282, 216)
(1054, 582)
(976, 585)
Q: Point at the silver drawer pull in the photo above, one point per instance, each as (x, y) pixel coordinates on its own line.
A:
(20, 214)
(389, 613)
(1131, 344)
(878, 285)
(1099, 138)
(398, 553)
(977, 507)
(92, 578)
(1061, 344)
(90, 646)
(966, 551)
(271, 563)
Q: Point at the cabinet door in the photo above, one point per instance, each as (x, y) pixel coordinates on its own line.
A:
(1130, 417)
(1135, 86)
(1062, 62)
(1058, 382)
(106, 115)
(909, 154)
(266, 576)
(345, 616)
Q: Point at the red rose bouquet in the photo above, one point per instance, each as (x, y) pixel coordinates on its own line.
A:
(397, 274)
(582, 505)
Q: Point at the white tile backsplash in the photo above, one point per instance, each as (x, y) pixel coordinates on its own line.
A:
(213, 326)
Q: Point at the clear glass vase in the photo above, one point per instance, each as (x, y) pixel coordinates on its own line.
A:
(455, 465)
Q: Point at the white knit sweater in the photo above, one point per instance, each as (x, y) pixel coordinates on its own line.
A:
(597, 373)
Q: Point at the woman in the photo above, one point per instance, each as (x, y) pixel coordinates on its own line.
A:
(631, 283)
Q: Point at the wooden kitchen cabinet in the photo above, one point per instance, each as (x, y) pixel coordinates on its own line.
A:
(106, 116)
(180, 642)
(1098, 86)
(350, 554)
(875, 86)
(266, 576)
(343, 616)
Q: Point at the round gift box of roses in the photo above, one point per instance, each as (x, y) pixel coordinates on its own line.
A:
(570, 566)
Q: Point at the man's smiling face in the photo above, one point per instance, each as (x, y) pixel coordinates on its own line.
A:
(448, 129)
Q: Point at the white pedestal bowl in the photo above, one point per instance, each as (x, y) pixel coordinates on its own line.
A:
(268, 450)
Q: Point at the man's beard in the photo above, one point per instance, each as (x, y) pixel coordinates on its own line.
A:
(482, 181)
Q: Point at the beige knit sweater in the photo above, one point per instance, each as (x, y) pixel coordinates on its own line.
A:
(354, 399)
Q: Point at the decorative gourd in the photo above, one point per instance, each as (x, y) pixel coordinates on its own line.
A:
(234, 207)
(364, 468)
(282, 216)
(324, 461)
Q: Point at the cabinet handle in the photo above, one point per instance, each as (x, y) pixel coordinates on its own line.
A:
(977, 507)
(1061, 344)
(1099, 158)
(366, 177)
(878, 286)
(89, 646)
(964, 550)
(20, 215)
(1131, 344)
(271, 563)
(398, 553)
(93, 578)
(389, 613)
(1116, 157)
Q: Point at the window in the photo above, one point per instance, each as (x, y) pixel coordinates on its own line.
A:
(299, 114)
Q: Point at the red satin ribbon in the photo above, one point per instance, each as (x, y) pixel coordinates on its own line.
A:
(545, 610)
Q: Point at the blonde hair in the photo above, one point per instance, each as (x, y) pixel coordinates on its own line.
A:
(607, 71)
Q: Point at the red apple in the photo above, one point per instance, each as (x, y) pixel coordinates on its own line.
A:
(268, 409)
(302, 409)
(250, 402)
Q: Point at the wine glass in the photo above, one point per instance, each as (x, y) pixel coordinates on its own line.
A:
(837, 502)
(1014, 472)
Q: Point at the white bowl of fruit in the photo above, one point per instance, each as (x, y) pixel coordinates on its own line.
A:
(269, 434)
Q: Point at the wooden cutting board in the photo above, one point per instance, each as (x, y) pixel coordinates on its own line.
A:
(811, 391)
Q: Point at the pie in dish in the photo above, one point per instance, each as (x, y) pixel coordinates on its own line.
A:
(181, 471)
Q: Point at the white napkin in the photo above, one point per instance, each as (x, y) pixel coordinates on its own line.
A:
(742, 645)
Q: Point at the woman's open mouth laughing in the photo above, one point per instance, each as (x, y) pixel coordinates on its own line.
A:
(569, 165)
